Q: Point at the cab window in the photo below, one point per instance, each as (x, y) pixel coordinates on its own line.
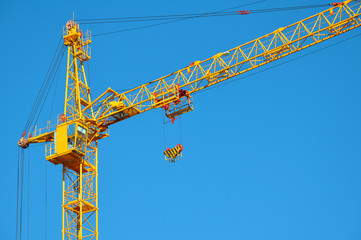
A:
(81, 138)
(71, 136)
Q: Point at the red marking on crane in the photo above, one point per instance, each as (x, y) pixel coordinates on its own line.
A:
(181, 93)
(244, 12)
(62, 117)
(165, 107)
(24, 133)
(29, 135)
(181, 146)
(190, 65)
(337, 4)
(155, 96)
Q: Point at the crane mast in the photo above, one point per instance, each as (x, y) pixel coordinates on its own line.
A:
(79, 154)
(73, 140)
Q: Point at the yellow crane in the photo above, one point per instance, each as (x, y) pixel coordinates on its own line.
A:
(73, 140)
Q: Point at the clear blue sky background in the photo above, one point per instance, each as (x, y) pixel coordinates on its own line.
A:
(274, 156)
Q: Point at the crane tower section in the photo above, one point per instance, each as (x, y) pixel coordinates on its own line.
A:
(74, 144)
(77, 94)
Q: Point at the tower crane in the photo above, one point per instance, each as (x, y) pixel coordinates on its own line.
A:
(72, 140)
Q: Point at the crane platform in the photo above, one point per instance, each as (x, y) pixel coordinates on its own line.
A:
(176, 109)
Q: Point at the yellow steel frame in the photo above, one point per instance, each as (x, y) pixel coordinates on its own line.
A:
(80, 198)
(80, 189)
(223, 66)
(77, 92)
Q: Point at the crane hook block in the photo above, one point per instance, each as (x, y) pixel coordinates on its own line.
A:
(173, 154)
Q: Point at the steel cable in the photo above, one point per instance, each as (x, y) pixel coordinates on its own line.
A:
(21, 192)
(46, 201)
(17, 198)
(192, 15)
(61, 54)
(181, 17)
(177, 20)
(56, 87)
(28, 194)
(41, 91)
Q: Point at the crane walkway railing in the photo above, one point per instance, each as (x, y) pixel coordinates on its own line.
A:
(44, 128)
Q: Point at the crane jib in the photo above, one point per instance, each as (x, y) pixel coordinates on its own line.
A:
(225, 65)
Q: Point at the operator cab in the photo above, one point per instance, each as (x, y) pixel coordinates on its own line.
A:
(76, 137)
(69, 145)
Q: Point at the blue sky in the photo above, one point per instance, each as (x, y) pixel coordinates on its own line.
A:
(273, 156)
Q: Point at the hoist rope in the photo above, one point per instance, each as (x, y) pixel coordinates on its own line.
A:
(176, 20)
(28, 194)
(20, 211)
(164, 131)
(46, 201)
(21, 192)
(180, 129)
(17, 198)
